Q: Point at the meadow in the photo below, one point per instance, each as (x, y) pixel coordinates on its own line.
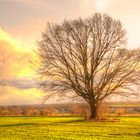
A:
(68, 128)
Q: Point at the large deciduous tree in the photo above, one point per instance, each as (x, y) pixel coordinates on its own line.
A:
(87, 56)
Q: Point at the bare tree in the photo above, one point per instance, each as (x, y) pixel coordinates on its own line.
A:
(87, 56)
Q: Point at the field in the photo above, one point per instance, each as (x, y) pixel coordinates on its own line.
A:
(68, 128)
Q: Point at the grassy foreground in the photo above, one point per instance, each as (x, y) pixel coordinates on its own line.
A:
(68, 128)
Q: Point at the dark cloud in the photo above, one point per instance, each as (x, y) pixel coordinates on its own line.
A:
(18, 83)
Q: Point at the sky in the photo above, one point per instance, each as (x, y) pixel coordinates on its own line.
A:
(21, 24)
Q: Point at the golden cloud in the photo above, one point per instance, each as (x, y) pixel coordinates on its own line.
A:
(14, 96)
(16, 84)
(14, 58)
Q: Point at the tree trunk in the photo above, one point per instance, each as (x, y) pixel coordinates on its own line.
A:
(93, 112)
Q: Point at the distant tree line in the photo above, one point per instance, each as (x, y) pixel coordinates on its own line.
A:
(65, 109)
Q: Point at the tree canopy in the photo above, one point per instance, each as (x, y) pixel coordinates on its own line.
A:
(87, 56)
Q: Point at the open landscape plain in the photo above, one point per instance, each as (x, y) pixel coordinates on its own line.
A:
(68, 128)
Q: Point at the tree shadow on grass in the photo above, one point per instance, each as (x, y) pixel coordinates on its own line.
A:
(19, 124)
(44, 124)
(72, 121)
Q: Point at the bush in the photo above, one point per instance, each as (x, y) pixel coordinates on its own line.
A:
(120, 111)
(103, 111)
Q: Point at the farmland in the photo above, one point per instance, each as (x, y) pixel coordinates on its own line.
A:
(68, 128)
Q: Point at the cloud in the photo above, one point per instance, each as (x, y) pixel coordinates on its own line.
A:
(16, 84)
(22, 84)
(14, 96)
(14, 57)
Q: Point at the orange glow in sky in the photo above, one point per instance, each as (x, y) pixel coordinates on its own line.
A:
(22, 22)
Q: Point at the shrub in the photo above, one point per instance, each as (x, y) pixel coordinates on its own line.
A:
(120, 111)
(103, 111)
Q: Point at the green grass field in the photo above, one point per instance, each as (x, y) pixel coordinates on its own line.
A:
(68, 128)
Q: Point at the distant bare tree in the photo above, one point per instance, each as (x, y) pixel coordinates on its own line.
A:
(87, 56)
